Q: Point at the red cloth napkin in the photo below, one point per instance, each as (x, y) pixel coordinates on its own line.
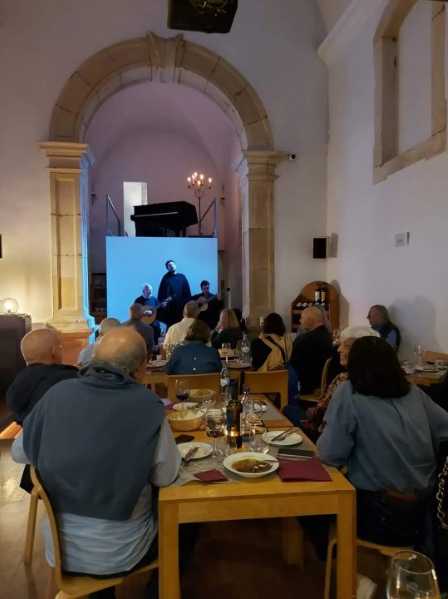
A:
(211, 476)
(295, 470)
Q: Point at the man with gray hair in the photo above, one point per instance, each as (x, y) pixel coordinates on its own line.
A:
(100, 442)
(85, 354)
(177, 332)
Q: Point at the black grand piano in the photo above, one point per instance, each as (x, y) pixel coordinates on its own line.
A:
(164, 220)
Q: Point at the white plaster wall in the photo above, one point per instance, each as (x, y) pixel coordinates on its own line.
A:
(163, 161)
(369, 269)
(331, 11)
(42, 43)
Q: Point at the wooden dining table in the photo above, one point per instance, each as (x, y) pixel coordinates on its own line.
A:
(269, 497)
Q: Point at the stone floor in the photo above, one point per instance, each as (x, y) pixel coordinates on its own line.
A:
(231, 560)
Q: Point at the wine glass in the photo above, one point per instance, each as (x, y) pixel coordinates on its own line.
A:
(215, 422)
(182, 391)
(412, 576)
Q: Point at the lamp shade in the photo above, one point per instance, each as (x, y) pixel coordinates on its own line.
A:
(9, 305)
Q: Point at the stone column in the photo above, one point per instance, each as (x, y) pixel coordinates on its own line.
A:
(257, 173)
(68, 171)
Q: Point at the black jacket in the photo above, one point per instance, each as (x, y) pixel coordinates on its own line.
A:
(309, 354)
(231, 336)
(32, 383)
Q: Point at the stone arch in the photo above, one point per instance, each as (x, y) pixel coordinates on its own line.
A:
(153, 58)
(387, 158)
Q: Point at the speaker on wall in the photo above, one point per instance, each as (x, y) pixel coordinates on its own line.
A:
(320, 247)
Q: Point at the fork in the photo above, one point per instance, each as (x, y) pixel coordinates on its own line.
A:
(282, 436)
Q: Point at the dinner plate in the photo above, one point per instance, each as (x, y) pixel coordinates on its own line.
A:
(157, 363)
(260, 406)
(262, 457)
(292, 439)
(185, 405)
(204, 450)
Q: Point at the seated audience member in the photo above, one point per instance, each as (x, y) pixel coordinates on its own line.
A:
(149, 303)
(227, 330)
(85, 354)
(176, 333)
(101, 443)
(311, 350)
(380, 321)
(194, 356)
(387, 432)
(42, 352)
(272, 350)
(136, 312)
(313, 424)
(209, 304)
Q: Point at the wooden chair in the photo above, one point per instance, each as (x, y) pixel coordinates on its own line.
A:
(193, 381)
(385, 550)
(275, 381)
(324, 378)
(75, 586)
(31, 527)
(432, 356)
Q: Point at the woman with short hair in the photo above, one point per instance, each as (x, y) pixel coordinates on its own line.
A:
(194, 356)
(386, 432)
(227, 330)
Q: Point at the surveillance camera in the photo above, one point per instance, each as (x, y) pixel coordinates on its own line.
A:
(292, 156)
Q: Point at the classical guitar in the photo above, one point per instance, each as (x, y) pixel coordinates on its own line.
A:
(150, 312)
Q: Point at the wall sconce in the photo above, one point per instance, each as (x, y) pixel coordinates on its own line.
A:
(9, 305)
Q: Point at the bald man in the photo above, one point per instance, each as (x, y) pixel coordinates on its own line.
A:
(136, 312)
(311, 350)
(101, 442)
(85, 354)
(42, 352)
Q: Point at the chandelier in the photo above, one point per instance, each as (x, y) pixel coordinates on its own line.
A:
(199, 184)
(211, 7)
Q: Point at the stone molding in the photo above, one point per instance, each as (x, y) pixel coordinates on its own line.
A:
(387, 157)
(154, 58)
(67, 167)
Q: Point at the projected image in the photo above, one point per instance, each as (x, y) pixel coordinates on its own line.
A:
(172, 267)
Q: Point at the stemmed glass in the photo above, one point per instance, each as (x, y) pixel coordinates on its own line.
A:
(412, 576)
(182, 391)
(215, 423)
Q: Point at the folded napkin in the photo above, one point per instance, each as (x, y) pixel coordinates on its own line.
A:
(211, 476)
(310, 469)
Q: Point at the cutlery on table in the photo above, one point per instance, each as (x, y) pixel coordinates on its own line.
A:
(190, 454)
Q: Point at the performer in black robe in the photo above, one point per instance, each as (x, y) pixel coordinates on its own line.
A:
(175, 291)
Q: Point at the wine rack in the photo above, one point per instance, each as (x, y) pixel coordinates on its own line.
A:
(317, 293)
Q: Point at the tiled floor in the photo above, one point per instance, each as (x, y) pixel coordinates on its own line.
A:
(231, 560)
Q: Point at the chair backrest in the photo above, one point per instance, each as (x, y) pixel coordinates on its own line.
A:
(275, 381)
(324, 378)
(432, 356)
(193, 381)
(41, 493)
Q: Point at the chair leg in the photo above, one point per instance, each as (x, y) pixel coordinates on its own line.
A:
(328, 569)
(31, 528)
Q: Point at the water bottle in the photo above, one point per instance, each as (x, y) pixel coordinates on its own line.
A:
(245, 349)
(225, 378)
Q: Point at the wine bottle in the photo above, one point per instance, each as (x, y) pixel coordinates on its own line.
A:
(233, 417)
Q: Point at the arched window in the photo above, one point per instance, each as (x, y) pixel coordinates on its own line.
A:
(410, 105)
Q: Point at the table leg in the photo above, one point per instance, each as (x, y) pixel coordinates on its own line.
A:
(292, 541)
(346, 539)
(169, 576)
